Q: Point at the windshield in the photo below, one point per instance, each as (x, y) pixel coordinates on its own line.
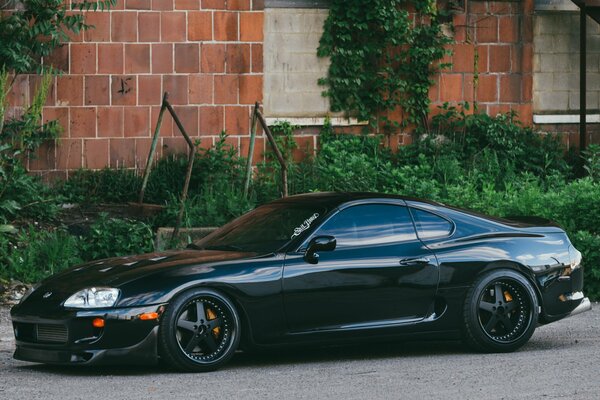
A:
(266, 229)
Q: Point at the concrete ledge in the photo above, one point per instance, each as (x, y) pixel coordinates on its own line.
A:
(564, 119)
(300, 121)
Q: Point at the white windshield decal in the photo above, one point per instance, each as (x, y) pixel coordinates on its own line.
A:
(305, 225)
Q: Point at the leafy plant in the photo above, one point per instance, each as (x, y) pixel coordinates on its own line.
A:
(591, 158)
(381, 57)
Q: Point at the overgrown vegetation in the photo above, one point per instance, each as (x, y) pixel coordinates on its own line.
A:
(383, 55)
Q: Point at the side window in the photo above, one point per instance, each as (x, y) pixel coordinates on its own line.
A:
(370, 224)
(430, 225)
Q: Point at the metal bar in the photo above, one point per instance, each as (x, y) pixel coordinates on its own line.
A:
(153, 147)
(278, 154)
(188, 175)
(251, 150)
(582, 76)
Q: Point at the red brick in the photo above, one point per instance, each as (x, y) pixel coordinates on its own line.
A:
(304, 149)
(495, 109)
(177, 87)
(487, 88)
(110, 122)
(434, 90)
(83, 58)
(200, 25)
(19, 92)
(74, 37)
(251, 89)
(124, 26)
(60, 114)
(149, 90)
(527, 58)
(124, 90)
(478, 7)
(226, 89)
(212, 58)
(460, 27)
(487, 29)
(211, 120)
(101, 30)
(251, 27)
(482, 58)
(463, 58)
(173, 27)
(166, 127)
(59, 58)
(44, 158)
(162, 58)
(34, 85)
(173, 146)
(500, 7)
(122, 153)
(187, 58)
(136, 122)
(187, 4)
(257, 58)
(214, 4)
(237, 120)
(258, 5)
(95, 153)
(451, 87)
(259, 149)
(162, 4)
(524, 113)
(142, 149)
(238, 4)
(69, 153)
(188, 116)
(468, 88)
(527, 29)
(509, 29)
(137, 58)
(201, 89)
(238, 58)
(149, 23)
(69, 90)
(499, 59)
(226, 26)
(110, 59)
(138, 4)
(97, 90)
(233, 142)
(510, 88)
(527, 88)
(83, 122)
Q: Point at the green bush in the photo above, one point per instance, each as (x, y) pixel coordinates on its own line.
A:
(589, 245)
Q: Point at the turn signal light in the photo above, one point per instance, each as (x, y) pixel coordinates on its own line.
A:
(149, 316)
(98, 323)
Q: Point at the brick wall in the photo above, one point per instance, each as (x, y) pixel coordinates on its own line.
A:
(492, 60)
(207, 54)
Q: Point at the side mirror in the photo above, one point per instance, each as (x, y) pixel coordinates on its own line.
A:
(319, 243)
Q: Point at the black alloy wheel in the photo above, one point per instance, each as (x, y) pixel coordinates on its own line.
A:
(199, 331)
(501, 312)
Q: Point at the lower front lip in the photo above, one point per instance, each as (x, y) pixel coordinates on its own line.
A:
(584, 306)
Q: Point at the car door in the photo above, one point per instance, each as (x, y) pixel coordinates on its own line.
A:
(379, 273)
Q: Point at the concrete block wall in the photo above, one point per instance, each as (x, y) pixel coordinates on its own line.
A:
(207, 54)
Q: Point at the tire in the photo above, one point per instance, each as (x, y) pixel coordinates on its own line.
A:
(500, 312)
(199, 331)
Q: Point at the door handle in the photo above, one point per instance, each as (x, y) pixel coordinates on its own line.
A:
(414, 261)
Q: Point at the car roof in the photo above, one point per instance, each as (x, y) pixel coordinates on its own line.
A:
(335, 199)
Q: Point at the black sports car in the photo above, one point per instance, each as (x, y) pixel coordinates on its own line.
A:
(310, 269)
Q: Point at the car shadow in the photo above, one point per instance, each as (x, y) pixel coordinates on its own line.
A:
(282, 356)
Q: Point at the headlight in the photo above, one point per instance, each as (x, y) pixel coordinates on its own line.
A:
(93, 298)
(28, 293)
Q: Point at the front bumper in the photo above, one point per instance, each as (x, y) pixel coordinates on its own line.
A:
(68, 336)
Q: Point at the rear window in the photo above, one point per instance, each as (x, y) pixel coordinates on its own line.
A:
(430, 225)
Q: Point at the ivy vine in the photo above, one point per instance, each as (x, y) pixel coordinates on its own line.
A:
(382, 56)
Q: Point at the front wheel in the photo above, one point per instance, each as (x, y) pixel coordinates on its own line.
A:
(199, 331)
(500, 312)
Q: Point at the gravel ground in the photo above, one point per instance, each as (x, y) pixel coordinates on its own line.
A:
(560, 361)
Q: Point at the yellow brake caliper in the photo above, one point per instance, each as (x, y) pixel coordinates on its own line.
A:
(507, 296)
(211, 315)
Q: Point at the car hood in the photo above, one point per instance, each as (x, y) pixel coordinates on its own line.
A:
(115, 272)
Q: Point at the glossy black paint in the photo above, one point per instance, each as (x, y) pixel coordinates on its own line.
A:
(326, 294)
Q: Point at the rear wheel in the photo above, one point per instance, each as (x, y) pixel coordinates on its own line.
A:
(500, 312)
(200, 331)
